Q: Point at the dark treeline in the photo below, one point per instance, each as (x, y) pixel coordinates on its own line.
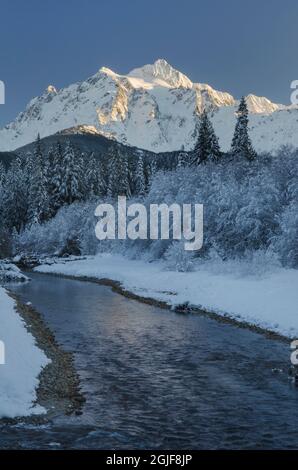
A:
(35, 187)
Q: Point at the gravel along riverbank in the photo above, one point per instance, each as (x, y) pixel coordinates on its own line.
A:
(58, 391)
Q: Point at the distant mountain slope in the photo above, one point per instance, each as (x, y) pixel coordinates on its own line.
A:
(86, 143)
(154, 107)
(6, 158)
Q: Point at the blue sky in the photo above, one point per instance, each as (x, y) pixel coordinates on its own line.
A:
(235, 46)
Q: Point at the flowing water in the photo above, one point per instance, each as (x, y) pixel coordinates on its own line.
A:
(153, 378)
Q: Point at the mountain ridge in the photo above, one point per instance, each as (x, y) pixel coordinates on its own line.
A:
(154, 107)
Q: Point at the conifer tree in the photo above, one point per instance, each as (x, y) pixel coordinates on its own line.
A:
(140, 183)
(241, 143)
(28, 169)
(103, 177)
(72, 176)
(15, 201)
(150, 171)
(111, 170)
(207, 147)
(123, 175)
(2, 175)
(93, 182)
(56, 175)
(38, 197)
(118, 173)
(182, 160)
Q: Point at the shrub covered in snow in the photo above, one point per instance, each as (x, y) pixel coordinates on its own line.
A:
(11, 273)
(250, 208)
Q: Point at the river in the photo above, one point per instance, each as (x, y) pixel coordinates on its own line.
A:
(154, 379)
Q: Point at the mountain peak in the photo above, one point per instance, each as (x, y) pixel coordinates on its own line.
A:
(155, 107)
(162, 73)
(51, 89)
(261, 105)
(107, 71)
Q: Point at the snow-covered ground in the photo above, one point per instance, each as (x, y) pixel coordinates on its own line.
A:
(11, 273)
(23, 363)
(269, 299)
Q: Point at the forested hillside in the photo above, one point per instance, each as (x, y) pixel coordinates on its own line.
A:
(49, 194)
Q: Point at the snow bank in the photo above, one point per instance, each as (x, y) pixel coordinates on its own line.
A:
(23, 363)
(268, 300)
(11, 273)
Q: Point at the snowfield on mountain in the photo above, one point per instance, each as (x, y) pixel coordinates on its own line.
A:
(154, 107)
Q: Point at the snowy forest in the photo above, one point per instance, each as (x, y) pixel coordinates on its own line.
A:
(47, 200)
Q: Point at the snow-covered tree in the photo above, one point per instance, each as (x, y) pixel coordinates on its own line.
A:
(207, 147)
(123, 174)
(150, 172)
(140, 183)
(183, 159)
(92, 176)
(56, 176)
(38, 195)
(2, 174)
(96, 175)
(14, 210)
(71, 188)
(241, 143)
(118, 173)
(103, 176)
(111, 171)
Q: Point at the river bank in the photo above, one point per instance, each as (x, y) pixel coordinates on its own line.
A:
(265, 303)
(58, 391)
(38, 378)
(21, 363)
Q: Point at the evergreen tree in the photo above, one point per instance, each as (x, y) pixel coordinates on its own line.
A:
(118, 173)
(150, 171)
(38, 197)
(111, 166)
(14, 200)
(241, 143)
(140, 184)
(2, 174)
(183, 160)
(28, 169)
(71, 188)
(207, 147)
(103, 177)
(50, 176)
(55, 178)
(123, 175)
(93, 182)
(83, 163)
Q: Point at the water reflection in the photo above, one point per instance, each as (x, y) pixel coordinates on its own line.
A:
(156, 379)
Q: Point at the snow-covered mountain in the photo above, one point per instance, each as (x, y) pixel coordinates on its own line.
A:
(154, 107)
